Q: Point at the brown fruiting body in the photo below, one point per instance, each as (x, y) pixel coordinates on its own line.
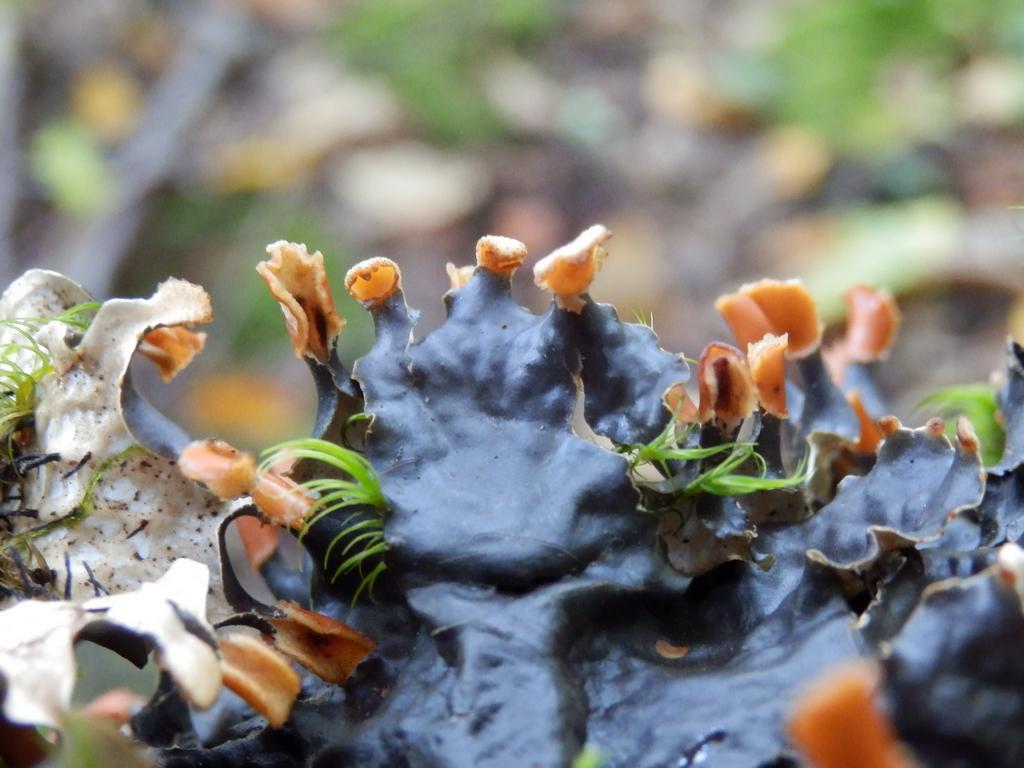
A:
(502, 255)
(259, 539)
(889, 425)
(568, 271)
(172, 349)
(298, 280)
(679, 404)
(458, 276)
(744, 318)
(1009, 568)
(837, 723)
(777, 307)
(726, 387)
(373, 281)
(118, 706)
(666, 650)
(226, 471)
(328, 648)
(260, 675)
(767, 360)
(229, 473)
(871, 434)
(281, 500)
(966, 436)
(873, 319)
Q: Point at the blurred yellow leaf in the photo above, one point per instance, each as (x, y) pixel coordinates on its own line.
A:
(796, 159)
(317, 109)
(258, 164)
(411, 187)
(247, 408)
(107, 100)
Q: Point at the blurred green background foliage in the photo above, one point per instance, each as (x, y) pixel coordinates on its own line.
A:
(836, 140)
(429, 52)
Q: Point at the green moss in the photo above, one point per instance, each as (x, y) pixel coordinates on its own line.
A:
(727, 477)
(430, 51)
(361, 539)
(24, 362)
(835, 58)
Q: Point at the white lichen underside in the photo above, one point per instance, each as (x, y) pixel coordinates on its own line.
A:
(145, 514)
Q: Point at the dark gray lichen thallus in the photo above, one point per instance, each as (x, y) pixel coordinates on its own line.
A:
(954, 676)
(919, 483)
(1011, 404)
(472, 426)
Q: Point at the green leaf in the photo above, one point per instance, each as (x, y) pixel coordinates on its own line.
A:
(430, 52)
(66, 160)
(888, 246)
(590, 757)
(834, 60)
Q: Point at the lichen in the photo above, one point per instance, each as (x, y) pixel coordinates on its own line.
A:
(563, 546)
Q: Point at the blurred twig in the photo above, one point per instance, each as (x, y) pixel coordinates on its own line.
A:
(10, 94)
(214, 38)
